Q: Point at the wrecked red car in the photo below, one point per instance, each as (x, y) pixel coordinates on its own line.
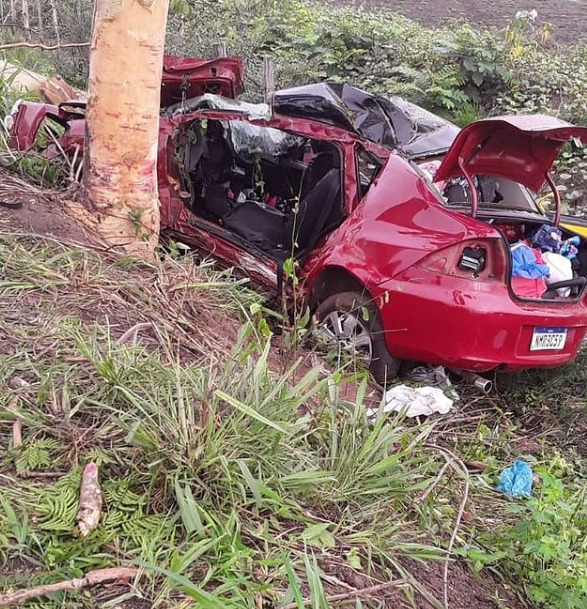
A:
(397, 265)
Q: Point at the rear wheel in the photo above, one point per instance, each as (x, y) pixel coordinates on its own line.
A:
(350, 322)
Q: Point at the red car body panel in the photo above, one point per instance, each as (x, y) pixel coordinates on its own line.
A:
(194, 77)
(389, 240)
(470, 325)
(28, 118)
(519, 148)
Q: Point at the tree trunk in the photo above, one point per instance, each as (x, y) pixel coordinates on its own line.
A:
(55, 21)
(26, 22)
(126, 64)
(40, 19)
(12, 15)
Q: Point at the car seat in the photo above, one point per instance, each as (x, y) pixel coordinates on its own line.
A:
(315, 210)
(320, 164)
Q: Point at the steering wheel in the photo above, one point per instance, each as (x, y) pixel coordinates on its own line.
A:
(551, 293)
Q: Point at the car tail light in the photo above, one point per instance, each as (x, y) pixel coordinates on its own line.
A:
(479, 259)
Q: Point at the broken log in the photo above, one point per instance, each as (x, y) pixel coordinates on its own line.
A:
(52, 90)
(90, 500)
(92, 578)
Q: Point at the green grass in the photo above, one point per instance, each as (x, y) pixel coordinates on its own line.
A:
(224, 481)
(235, 475)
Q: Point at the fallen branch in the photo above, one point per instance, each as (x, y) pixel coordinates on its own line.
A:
(90, 500)
(133, 331)
(44, 47)
(16, 433)
(16, 383)
(91, 578)
(452, 459)
(363, 593)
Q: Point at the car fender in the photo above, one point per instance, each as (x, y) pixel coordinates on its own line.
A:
(399, 222)
(25, 120)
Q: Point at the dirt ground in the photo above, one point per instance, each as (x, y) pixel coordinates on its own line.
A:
(569, 17)
(38, 214)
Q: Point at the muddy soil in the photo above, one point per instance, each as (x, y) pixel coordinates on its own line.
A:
(568, 17)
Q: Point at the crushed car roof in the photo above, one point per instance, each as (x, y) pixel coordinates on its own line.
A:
(391, 122)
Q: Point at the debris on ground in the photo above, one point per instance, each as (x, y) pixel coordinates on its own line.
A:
(92, 578)
(90, 501)
(516, 480)
(434, 376)
(417, 401)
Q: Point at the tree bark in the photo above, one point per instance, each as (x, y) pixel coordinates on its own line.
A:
(40, 19)
(12, 15)
(26, 22)
(122, 121)
(55, 22)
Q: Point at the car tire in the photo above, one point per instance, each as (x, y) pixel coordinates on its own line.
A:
(350, 310)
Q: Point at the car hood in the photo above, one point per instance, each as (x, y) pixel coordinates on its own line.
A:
(223, 76)
(519, 148)
(388, 121)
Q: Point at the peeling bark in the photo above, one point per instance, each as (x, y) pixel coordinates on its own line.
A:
(123, 121)
(90, 501)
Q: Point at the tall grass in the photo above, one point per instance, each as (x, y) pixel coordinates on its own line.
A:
(224, 481)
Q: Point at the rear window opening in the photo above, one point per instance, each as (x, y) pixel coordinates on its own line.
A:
(272, 190)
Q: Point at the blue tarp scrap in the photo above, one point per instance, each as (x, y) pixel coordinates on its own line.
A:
(516, 480)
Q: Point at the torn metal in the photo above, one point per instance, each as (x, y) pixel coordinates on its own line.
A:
(391, 122)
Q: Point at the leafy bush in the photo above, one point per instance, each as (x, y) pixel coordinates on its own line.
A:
(546, 544)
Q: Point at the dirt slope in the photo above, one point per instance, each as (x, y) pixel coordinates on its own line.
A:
(569, 17)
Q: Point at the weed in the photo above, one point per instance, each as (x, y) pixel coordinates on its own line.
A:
(213, 467)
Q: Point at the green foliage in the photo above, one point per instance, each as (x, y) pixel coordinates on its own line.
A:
(546, 544)
(448, 70)
(214, 467)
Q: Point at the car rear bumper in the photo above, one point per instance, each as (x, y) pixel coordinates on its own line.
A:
(472, 325)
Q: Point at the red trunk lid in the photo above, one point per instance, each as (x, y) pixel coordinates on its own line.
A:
(223, 76)
(519, 148)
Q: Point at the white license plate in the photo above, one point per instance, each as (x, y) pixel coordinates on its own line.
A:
(548, 339)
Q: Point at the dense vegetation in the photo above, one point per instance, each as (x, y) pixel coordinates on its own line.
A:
(285, 487)
(457, 71)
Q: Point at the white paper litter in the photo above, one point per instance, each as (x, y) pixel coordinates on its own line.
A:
(417, 401)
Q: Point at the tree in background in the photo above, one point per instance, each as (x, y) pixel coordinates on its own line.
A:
(126, 63)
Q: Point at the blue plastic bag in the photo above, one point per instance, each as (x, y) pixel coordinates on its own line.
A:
(516, 480)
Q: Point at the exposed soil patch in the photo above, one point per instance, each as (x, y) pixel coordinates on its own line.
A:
(24, 208)
(568, 17)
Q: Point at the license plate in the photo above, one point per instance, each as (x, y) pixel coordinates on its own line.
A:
(548, 339)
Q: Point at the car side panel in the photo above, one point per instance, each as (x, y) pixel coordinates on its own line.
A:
(398, 223)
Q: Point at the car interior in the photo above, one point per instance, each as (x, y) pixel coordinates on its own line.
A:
(271, 189)
(512, 209)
